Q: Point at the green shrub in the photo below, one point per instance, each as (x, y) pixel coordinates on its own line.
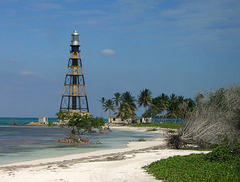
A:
(74, 138)
(141, 140)
(222, 164)
(226, 151)
(171, 125)
(51, 124)
(194, 168)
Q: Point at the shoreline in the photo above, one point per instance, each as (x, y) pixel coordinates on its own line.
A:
(131, 145)
(102, 165)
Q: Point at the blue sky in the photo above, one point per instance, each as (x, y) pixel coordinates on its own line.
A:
(179, 47)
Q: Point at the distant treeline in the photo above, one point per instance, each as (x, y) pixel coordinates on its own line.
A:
(163, 106)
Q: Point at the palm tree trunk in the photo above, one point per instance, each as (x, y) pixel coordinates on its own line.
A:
(109, 115)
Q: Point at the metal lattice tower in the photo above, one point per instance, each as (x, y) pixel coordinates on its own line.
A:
(74, 96)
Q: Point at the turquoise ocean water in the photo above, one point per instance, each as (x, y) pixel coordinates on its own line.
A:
(20, 121)
(22, 143)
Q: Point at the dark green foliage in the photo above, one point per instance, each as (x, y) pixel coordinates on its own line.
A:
(74, 138)
(194, 168)
(108, 105)
(172, 106)
(170, 125)
(79, 122)
(51, 124)
(144, 98)
(141, 140)
(226, 151)
(222, 164)
(117, 98)
(127, 107)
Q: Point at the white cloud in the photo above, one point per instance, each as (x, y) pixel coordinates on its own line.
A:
(108, 52)
(30, 73)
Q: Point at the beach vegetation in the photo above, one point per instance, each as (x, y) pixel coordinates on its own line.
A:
(80, 123)
(162, 106)
(108, 106)
(145, 98)
(51, 124)
(172, 106)
(102, 101)
(73, 138)
(215, 116)
(170, 125)
(127, 107)
(141, 140)
(222, 164)
(117, 98)
(124, 105)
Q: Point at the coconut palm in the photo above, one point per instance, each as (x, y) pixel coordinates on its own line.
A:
(102, 101)
(158, 105)
(127, 107)
(164, 100)
(172, 108)
(109, 106)
(144, 98)
(117, 98)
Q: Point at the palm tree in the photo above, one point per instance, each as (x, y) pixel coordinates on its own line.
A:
(145, 98)
(127, 107)
(172, 108)
(165, 100)
(102, 101)
(109, 106)
(117, 98)
(158, 105)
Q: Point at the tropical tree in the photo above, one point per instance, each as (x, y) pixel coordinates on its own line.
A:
(102, 101)
(173, 107)
(145, 98)
(79, 122)
(127, 108)
(158, 106)
(117, 98)
(109, 106)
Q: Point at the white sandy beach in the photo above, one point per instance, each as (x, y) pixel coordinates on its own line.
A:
(118, 165)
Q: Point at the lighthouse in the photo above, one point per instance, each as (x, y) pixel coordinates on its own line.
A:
(74, 95)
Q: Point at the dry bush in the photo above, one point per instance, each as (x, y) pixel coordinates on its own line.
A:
(174, 141)
(216, 114)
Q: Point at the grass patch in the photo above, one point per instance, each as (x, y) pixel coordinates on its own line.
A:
(195, 167)
(170, 125)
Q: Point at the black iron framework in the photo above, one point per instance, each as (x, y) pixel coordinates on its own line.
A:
(74, 96)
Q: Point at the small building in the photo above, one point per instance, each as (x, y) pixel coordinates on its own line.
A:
(118, 120)
(142, 120)
(43, 120)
